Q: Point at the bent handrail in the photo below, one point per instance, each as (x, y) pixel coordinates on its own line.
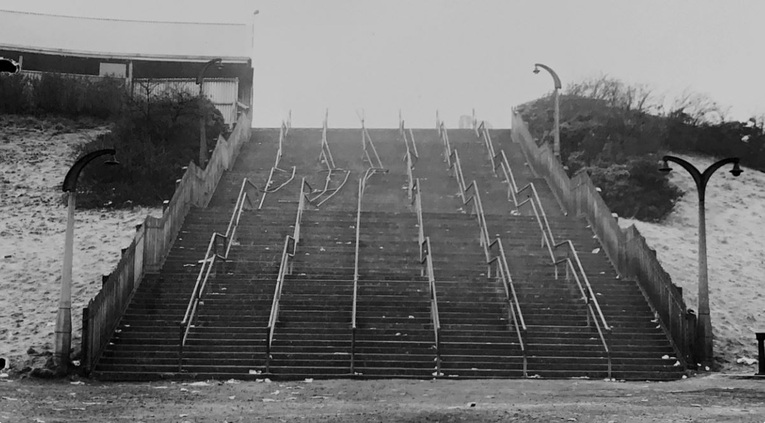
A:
(283, 129)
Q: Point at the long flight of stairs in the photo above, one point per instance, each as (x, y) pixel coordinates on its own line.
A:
(395, 334)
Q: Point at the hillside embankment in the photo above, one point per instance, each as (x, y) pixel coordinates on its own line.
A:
(35, 155)
(735, 214)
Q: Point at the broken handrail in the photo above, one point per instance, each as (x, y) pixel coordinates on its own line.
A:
(211, 256)
(326, 189)
(279, 152)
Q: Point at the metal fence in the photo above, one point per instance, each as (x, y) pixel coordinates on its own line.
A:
(223, 92)
(627, 249)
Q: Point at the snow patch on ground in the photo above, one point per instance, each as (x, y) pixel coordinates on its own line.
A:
(34, 158)
(735, 215)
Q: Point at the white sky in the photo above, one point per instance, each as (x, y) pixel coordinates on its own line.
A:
(456, 55)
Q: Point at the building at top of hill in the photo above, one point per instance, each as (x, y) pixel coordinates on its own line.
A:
(149, 55)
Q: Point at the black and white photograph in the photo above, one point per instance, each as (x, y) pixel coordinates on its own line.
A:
(382, 211)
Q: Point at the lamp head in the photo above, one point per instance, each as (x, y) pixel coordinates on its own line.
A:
(536, 69)
(736, 169)
(665, 168)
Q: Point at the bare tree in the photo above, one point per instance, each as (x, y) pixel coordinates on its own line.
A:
(615, 93)
(699, 107)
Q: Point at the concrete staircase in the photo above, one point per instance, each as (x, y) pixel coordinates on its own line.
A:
(394, 334)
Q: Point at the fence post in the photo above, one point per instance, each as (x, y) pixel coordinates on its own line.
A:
(85, 347)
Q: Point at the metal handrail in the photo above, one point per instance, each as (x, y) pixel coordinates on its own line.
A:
(589, 299)
(326, 157)
(279, 152)
(588, 294)
(414, 144)
(426, 261)
(402, 134)
(283, 271)
(426, 251)
(327, 189)
(548, 240)
(447, 146)
(366, 139)
(503, 270)
(409, 174)
(326, 153)
(285, 268)
(362, 181)
(208, 263)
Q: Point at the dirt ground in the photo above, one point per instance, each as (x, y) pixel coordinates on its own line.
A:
(712, 398)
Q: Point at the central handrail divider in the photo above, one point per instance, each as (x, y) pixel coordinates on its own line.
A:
(426, 263)
(285, 268)
(208, 263)
(595, 313)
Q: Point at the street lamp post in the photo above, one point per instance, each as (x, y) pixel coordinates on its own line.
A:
(556, 95)
(704, 323)
(203, 117)
(63, 332)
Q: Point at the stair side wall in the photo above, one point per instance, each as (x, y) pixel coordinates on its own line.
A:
(153, 241)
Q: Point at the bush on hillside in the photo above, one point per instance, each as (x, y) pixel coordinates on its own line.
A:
(155, 139)
(62, 95)
(635, 189)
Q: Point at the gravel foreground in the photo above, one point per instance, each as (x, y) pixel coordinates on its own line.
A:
(712, 398)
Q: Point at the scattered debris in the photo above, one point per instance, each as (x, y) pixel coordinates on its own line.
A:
(746, 360)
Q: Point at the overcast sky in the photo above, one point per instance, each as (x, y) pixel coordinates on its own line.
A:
(423, 55)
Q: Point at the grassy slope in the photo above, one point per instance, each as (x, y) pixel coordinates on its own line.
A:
(735, 214)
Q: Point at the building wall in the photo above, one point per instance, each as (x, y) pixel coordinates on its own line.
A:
(142, 69)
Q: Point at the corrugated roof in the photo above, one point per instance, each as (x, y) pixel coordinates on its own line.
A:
(151, 40)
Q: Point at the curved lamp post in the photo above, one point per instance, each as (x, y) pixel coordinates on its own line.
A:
(202, 138)
(556, 95)
(704, 323)
(63, 333)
